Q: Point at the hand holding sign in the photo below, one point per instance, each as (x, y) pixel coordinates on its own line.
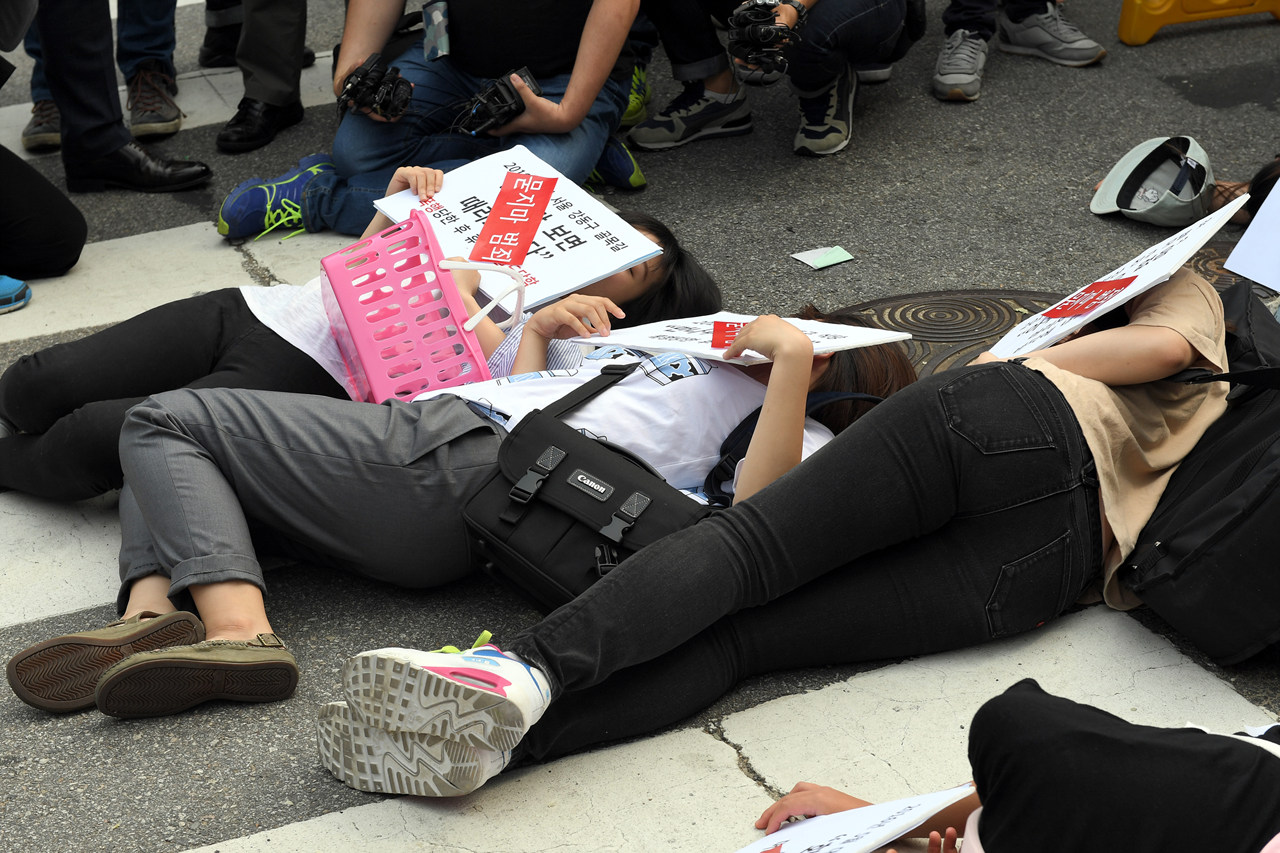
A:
(772, 337)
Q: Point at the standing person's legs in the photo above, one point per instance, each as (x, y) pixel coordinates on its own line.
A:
(77, 46)
(145, 31)
(976, 16)
(1056, 775)
(967, 443)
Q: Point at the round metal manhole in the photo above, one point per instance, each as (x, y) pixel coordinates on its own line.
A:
(951, 327)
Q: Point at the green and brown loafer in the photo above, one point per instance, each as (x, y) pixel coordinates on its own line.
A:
(171, 680)
(61, 674)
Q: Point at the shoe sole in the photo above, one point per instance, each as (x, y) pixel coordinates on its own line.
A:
(13, 305)
(155, 128)
(384, 762)
(712, 133)
(954, 93)
(391, 693)
(158, 688)
(1031, 51)
(61, 674)
(41, 142)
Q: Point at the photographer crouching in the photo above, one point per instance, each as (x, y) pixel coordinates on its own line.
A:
(451, 96)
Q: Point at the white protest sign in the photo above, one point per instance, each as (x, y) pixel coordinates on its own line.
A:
(1257, 255)
(708, 337)
(858, 830)
(1114, 289)
(578, 240)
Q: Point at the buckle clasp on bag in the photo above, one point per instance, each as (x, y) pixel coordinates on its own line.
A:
(626, 516)
(524, 490)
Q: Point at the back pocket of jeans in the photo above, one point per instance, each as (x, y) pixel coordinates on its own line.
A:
(992, 411)
(1032, 590)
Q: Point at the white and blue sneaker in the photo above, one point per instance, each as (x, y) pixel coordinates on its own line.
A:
(479, 697)
(380, 761)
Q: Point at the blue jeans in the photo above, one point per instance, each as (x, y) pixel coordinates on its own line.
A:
(836, 33)
(144, 30)
(962, 509)
(366, 152)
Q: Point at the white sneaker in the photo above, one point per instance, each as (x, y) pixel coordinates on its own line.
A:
(479, 697)
(371, 759)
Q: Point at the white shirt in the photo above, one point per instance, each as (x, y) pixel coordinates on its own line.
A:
(674, 411)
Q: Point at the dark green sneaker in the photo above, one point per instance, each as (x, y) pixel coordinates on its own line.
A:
(169, 681)
(61, 674)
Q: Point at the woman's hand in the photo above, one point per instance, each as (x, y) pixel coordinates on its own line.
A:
(576, 314)
(772, 337)
(808, 800)
(423, 180)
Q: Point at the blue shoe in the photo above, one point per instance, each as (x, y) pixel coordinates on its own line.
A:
(617, 168)
(255, 207)
(14, 294)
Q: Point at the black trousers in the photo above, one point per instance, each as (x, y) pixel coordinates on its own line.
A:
(71, 399)
(41, 231)
(1056, 775)
(81, 70)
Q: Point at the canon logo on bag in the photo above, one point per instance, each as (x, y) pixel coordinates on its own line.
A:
(585, 482)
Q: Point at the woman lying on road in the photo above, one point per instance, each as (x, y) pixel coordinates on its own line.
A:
(210, 474)
(978, 503)
(1052, 774)
(61, 408)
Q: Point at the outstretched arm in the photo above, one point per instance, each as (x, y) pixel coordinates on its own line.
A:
(368, 26)
(602, 38)
(778, 442)
(575, 314)
(1127, 355)
(423, 180)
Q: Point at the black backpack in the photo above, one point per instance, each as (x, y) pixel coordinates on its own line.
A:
(1208, 560)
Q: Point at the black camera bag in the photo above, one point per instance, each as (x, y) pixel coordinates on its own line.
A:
(564, 508)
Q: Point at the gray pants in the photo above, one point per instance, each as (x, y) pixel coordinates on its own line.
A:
(377, 490)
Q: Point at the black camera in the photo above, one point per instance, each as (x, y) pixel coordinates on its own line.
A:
(757, 39)
(376, 88)
(495, 104)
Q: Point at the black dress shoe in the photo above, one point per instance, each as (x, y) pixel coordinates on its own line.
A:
(255, 124)
(133, 167)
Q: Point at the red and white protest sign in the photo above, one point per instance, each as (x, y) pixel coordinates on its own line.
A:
(513, 222)
(723, 334)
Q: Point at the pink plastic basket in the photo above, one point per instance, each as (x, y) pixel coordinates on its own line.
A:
(398, 317)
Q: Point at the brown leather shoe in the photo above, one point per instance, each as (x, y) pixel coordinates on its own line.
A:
(61, 674)
(171, 680)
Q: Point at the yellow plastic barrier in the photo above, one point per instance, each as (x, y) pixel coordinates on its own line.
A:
(1140, 19)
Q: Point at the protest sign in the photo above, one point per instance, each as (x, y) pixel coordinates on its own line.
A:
(859, 830)
(1257, 255)
(571, 243)
(706, 337)
(1114, 289)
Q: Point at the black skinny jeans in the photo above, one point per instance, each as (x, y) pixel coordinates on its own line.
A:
(962, 509)
(1056, 775)
(71, 399)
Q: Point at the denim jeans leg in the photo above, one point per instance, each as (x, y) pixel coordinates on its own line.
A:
(976, 16)
(145, 30)
(909, 469)
(39, 86)
(838, 33)
(688, 36)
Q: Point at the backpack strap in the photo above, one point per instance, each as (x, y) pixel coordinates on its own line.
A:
(734, 448)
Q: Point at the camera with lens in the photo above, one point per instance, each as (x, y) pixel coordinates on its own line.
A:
(375, 88)
(757, 39)
(496, 104)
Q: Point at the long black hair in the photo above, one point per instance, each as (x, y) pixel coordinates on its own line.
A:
(684, 287)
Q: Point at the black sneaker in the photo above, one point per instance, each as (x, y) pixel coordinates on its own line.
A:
(152, 110)
(826, 118)
(692, 115)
